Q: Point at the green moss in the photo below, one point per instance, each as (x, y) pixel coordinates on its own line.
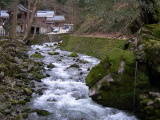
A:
(39, 76)
(26, 109)
(111, 64)
(36, 55)
(19, 117)
(73, 55)
(157, 112)
(143, 103)
(59, 59)
(97, 47)
(53, 53)
(22, 102)
(42, 112)
(13, 102)
(149, 110)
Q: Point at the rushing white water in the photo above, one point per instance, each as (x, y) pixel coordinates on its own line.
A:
(65, 95)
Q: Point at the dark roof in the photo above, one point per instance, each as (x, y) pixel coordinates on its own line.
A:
(20, 7)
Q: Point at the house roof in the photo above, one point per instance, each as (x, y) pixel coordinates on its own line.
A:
(56, 18)
(4, 14)
(45, 14)
(20, 7)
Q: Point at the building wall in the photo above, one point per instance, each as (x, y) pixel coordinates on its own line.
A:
(41, 20)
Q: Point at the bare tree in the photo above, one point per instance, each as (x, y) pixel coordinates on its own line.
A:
(33, 6)
(14, 22)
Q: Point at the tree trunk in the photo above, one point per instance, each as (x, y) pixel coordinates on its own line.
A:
(14, 22)
(31, 17)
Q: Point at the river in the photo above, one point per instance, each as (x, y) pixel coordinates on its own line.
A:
(64, 93)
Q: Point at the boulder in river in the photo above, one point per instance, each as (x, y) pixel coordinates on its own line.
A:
(73, 55)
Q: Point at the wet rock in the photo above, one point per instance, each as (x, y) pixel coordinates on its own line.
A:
(157, 103)
(42, 112)
(141, 47)
(7, 80)
(19, 84)
(17, 60)
(28, 91)
(40, 91)
(74, 66)
(37, 55)
(1, 75)
(50, 65)
(59, 59)
(23, 75)
(53, 53)
(154, 94)
(47, 75)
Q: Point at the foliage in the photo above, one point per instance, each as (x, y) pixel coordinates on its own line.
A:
(4, 3)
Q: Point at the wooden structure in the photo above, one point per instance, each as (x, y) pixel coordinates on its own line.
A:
(44, 22)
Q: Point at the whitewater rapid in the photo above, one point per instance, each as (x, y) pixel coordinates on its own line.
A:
(65, 94)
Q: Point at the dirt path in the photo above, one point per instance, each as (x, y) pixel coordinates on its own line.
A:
(108, 35)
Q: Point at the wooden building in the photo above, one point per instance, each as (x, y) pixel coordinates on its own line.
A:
(45, 19)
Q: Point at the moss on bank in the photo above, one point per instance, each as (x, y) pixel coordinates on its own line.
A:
(97, 47)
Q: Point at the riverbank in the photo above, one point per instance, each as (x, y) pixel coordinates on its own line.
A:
(17, 73)
(93, 46)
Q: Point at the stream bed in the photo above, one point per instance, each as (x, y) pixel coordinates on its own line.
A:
(64, 93)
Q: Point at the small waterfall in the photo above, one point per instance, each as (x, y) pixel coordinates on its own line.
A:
(135, 82)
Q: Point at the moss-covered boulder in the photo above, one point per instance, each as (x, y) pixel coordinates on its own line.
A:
(111, 82)
(42, 112)
(38, 55)
(73, 55)
(74, 66)
(50, 65)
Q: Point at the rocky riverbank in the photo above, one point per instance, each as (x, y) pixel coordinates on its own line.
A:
(17, 73)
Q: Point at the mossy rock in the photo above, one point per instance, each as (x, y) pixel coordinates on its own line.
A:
(73, 55)
(20, 117)
(28, 91)
(112, 79)
(13, 102)
(59, 59)
(153, 29)
(50, 65)
(143, 103)
(150, 111)
(36, 55)
(22, 102)
(53, 53)
(74, 66)
(39, 76)
(157, 113)
(42, 112)
(26, 109)
(157, 103)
